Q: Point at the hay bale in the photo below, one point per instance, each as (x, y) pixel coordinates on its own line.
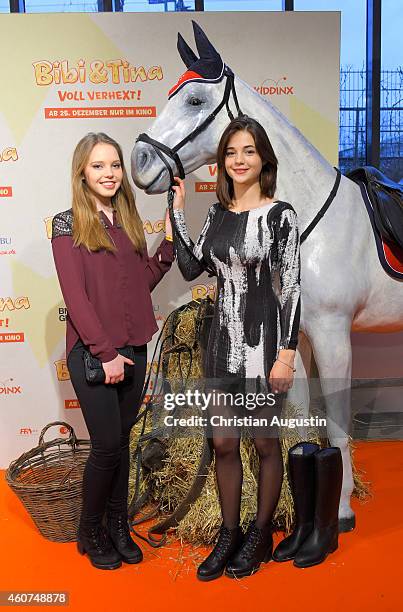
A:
(169, 485)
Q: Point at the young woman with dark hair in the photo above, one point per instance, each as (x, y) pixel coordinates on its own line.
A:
(106, 278)
(251, 243)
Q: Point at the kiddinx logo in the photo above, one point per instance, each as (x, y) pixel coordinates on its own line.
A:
(8, 387)
(273, 87)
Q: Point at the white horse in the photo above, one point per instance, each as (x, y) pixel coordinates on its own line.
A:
(344, 287)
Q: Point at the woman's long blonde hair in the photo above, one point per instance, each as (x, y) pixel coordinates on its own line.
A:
(87, 227)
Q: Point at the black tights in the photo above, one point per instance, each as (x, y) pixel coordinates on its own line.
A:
(109, 412)
(228, 467)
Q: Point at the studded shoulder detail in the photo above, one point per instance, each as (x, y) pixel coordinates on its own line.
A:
(62, 224)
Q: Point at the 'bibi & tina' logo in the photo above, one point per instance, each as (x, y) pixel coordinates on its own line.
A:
(10, 303)
(150, 227)
(62, 371)
(8, 154)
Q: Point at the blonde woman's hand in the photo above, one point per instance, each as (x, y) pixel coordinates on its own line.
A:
(115, 369)
(168, 226)
(180, 193)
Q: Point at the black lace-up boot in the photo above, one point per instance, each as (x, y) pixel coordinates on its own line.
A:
(119, 532)
(257, 548)
(301, 473)
(94, 541)
(228, 542)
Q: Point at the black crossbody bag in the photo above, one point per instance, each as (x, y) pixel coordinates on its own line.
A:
(94, 372)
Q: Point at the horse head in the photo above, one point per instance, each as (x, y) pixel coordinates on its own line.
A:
(194, 104)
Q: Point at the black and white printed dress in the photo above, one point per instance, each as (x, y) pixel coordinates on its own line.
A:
(255, 256)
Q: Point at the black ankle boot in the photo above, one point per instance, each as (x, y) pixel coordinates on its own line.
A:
(119, 532)
(228, 542)
(323, 539)
(257, 547)
(301, 473)
(96, 543)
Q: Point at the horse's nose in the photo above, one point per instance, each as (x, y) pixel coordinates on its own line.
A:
(148, 171)
(143, 157)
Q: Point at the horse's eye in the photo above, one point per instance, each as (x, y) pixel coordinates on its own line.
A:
(195, 101)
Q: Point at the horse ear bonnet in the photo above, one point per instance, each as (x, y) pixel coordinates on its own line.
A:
(186, 53)
(207, 67)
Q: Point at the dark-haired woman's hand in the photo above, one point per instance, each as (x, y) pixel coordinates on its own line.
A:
(115, 369)
(281, 376)
(180, 193)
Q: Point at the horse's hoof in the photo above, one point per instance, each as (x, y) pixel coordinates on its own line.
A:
(347, 524)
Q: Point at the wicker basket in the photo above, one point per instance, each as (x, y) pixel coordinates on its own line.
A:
(48, 481)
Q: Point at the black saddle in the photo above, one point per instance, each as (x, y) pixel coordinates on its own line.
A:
(386, 198)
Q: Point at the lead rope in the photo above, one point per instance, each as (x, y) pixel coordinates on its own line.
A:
(139, 500)
(177, 234)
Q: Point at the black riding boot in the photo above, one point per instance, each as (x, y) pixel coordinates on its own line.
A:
(257, 547)
(301, 473)
(324, 536)
(119, 532)
(228, 542)
(94, 541)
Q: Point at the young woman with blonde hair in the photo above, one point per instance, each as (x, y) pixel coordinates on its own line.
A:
(106, 278)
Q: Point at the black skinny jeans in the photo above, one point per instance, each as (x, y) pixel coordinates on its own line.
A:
(109, 412)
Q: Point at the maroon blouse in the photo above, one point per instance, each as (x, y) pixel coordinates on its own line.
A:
(107, 294)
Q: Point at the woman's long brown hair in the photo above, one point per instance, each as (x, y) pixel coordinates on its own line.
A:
(87, 227)
(268, 175)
